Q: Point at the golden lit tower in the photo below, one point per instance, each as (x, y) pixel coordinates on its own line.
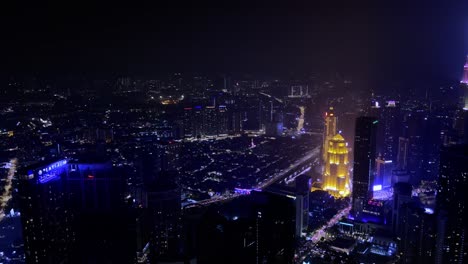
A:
(329, 131)
(336, 174)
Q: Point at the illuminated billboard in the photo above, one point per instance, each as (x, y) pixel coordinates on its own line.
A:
(48, 172)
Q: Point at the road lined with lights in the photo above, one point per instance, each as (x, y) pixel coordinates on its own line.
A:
(6, 193)
(269, 181)
(318, 234)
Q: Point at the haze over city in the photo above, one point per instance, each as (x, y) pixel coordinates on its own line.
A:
(212, 132)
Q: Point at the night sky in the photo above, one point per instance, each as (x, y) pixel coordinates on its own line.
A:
(411, 41)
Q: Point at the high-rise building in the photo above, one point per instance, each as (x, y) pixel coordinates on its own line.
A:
(336, 173)
(452, 222)
(389, 130)
(198, 121)
(188, 125)
(302, 204)
(465, 72)
(364, 162)
(234, 121)
(258, 228)
(162, 200)
(425, 133)
(223, 120)
(73, 212)
(402, 153)
(210, 121)
(416, 233)
(48, 225)
(383, 174)
(401, 195)
(346, 126)
(329, 131)
(464, 86)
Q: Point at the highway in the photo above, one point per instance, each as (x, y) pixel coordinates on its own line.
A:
(269, 181)
(285, 173)
(6, 193)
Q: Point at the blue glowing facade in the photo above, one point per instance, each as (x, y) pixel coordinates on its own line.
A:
(48, 172)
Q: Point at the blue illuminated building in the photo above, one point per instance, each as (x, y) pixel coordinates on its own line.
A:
(47, 171)
(73, 212)
(47, 224)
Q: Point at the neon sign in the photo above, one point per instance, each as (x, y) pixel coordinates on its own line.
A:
(51, 171)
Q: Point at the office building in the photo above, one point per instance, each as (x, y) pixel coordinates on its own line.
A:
(73, 212)
(210, 121)
(389, 133)
(452, 219)
(402, 154)
(302, 204)
(198, 121)
(222, 120)
(257, 228)
(364, 162)
(188, 126)
(416, 233)
(401, 195)
(383, 174)
(162, 200)
(49, 232)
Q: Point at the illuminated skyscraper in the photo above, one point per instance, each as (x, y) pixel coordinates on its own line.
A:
(328, 132)
(465, 72)
(383, 175)
(464, 86)
(336, 174)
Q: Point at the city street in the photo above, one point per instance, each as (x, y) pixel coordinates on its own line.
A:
(278, 177)
(6, 193)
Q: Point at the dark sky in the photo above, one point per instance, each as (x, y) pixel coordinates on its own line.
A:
(415, 40)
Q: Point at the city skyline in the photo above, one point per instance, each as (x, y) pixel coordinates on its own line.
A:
(234, 133)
